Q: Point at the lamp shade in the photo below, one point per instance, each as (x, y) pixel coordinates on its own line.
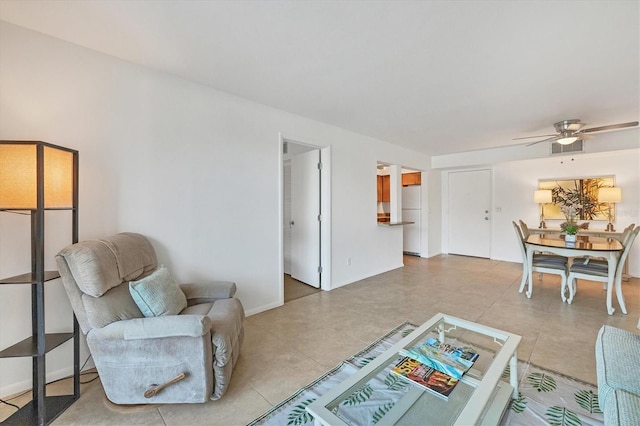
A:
(19, 162)
(542, 196)
(610, 195)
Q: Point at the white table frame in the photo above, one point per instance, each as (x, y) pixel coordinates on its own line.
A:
(483, 395)
(590, 233)
(612, 254)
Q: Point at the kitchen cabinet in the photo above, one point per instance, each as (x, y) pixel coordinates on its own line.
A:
(384, 189)
(409, 179)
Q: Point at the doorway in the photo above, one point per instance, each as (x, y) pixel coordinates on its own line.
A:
(305, 219)
(469, 216)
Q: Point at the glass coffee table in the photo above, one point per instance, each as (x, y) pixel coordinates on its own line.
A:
(480, 397)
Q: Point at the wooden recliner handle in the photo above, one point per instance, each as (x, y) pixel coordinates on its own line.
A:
(154, 389)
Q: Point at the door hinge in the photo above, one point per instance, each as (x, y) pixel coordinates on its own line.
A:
(319, 218)
(319, 166)
(319, 269)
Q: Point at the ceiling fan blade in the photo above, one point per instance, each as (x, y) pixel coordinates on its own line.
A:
(610, 127)
(555, 137)
(531, 137)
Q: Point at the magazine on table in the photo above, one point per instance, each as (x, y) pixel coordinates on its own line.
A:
(464, 353)
(428, 378)
(451, 362)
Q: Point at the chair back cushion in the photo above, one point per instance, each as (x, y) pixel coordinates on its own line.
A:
(92, 273)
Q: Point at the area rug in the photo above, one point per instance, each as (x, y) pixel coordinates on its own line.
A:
(546, 397)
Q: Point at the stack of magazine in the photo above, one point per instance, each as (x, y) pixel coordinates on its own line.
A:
(435, 366)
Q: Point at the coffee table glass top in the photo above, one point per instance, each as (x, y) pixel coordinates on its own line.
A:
(374, 395)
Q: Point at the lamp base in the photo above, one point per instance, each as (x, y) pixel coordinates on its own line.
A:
(610, 227)
(542, 225)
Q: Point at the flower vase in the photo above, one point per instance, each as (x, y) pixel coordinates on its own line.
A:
(570, 238)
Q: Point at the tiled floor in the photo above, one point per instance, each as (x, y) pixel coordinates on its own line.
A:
(294, 289)
(288, 347)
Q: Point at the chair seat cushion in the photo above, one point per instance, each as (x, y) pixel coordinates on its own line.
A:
(589, 269)
(549, 258)
(158, 294)
(590, 261)
(622, 408)
(549, 264)
(617, 362)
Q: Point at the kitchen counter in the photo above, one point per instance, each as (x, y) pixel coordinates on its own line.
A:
(394, 223)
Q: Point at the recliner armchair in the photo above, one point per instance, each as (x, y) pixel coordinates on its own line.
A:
(133, 353)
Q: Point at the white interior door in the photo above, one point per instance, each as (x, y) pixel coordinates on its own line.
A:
(469, 220)
(305, 223)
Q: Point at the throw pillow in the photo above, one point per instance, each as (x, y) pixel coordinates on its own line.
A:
(158, 294)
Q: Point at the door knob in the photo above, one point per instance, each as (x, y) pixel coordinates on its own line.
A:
(486, 218)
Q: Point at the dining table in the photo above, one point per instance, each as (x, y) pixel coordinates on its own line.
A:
(608, 248)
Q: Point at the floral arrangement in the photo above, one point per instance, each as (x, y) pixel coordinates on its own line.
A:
(570, 227)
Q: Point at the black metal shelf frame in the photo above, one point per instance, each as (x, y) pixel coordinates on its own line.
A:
(43, 409)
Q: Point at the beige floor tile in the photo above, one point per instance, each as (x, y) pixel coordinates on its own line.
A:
(290, 346)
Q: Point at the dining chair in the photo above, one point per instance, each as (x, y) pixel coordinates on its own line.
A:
(542, 263)
(525, 229)
(594, 270)
(602, 261)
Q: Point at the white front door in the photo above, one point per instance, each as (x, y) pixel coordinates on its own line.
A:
(305, 223)
(469, 220)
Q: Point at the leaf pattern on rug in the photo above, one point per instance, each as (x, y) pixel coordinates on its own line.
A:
(506, 373)
(359, 396)
(364, 361)
(569, 401)
(407, 332)
(560, 416)
(381, 411)
(588, 400)
(299, 416)
(395, 382)
(518, 405)
(542, 382)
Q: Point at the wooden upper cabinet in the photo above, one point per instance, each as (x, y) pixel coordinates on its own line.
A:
(384, 189)
(412, 179)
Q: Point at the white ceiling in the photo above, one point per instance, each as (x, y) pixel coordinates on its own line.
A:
(435, 76)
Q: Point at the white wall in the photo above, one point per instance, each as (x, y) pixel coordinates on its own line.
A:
(515, 181)
(195, 169)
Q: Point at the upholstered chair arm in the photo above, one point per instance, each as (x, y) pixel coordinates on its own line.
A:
(208, 292)
(157, 327)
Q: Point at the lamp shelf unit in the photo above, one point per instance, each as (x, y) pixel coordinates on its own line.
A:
(36, 177)
(54, 406)
(30, 278)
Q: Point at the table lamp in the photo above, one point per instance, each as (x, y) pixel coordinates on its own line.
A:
(542, 196)
(610, 195)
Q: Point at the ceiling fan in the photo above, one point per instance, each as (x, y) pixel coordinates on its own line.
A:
(569, 131)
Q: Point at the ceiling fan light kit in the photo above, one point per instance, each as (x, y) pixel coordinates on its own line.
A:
(569, 131)
(567, 138)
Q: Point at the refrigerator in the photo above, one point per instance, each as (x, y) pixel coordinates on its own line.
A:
(411, 212)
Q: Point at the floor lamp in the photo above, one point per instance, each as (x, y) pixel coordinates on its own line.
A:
(36, 178)
(542, 196)
(610, 196)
